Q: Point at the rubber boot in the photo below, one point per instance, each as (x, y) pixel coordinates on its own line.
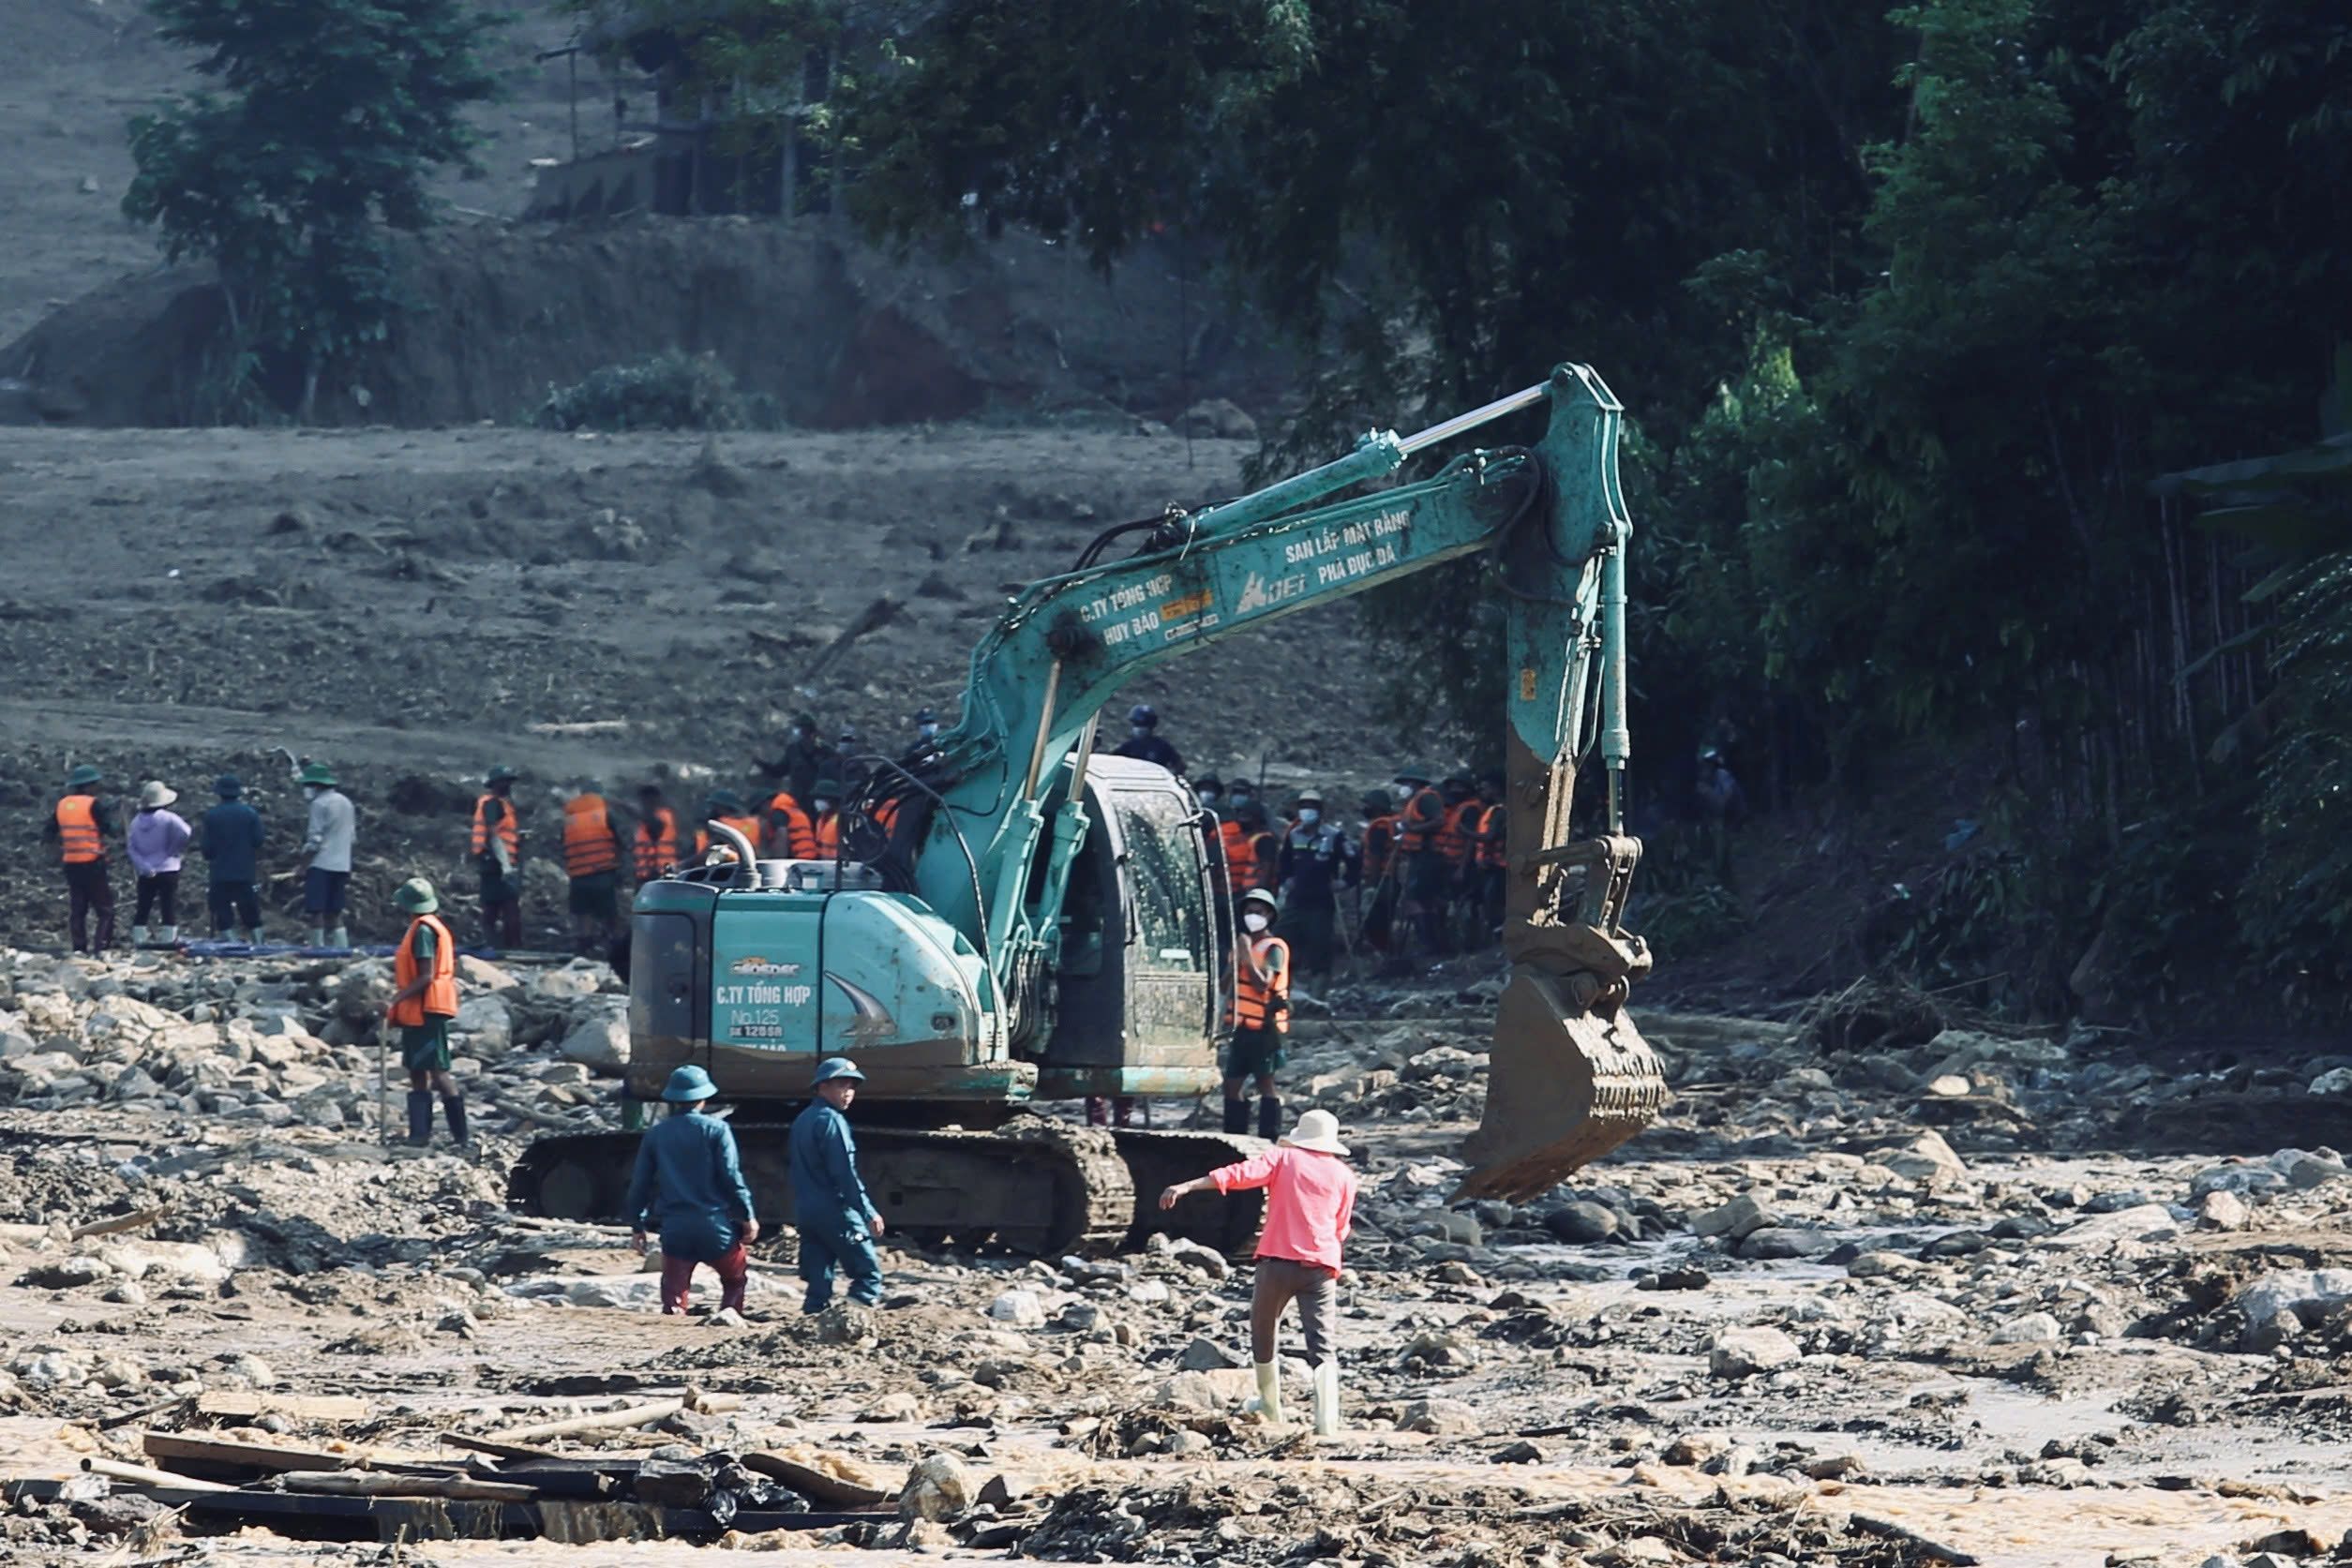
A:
(318, 936)
(1237, 1116)
(420, 1117)
(139, 936)
(1268, 1402)
(168, 935)
(453, 1108)
(1270, 1117)
(339, 937)
(1327, 1399)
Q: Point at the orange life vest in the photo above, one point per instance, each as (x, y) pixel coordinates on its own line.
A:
(1491, 836)
(1265, 859)
(1240, 858)
(440, 996)
(1412, 832)
(1461, 825)
(747, 826)
(825, 836)
(588, 846)
(1380, 839)
(78, 830)
(510, 832)
(656, 843)
(789, 834)
(1254, 998)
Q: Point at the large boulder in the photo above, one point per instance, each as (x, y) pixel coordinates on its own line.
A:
(599, 1038)
(1745, 1352)
(2306, 1295)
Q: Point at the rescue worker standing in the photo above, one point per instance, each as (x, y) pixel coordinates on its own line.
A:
(837, 1222)
(1261, 1015)
(230, 837)
(498, 856)
(1315, 860)
(332, 828)
(1491, 851)
(79, 826)
(424, 1000)
(689, 1187)
(156, 840)
(824, 821)
(1144, 742)
(1421, 817)
(591, 859)
(1310, 1210)
(655, 844)
(804, 757)
(786, 831)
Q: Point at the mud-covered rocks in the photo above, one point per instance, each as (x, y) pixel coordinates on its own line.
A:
(2284, 1302)
(937, 1488)
(1746, 1351)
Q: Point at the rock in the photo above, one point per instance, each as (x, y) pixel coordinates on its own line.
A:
(2243, 1177)
(249, 1370)
(1004, 1488)
(2032, 1328)
(937, 1488)
(1441, 1418)
(1446, 1225)
(1190, 1254)
(2223, 1210)
(2268, 1333)
(485, 1022)
(2337, 1081)
(1021, 1308)
(1926, 1159)
(1520, 1454)
(1582, 1223)
(66, 1273)
(1674, 1279)
(1432, 1349)
(2304, 1172)
(1207, 1390)
(2054, 1473)
(2308, 1295)
(1950, 1086)
(578, 978)
(1744, 1353)
(599, 1039)
(1782, 1243)
(1221, 417)
(1206, 1355)
(896, 1409)
(2146, 1222)
(1737, 1220)
(1880, 1265)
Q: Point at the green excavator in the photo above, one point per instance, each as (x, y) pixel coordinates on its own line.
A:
(1018, 917)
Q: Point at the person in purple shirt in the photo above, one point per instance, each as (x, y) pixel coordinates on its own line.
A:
(156, 839)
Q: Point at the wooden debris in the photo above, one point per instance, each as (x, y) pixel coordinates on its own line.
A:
(877, 614)
(120, 1223)
(811, 1482)
(623, 1418)
(140, 1475)
(1933, 1550)
(236, 1404)
(352, 1483)
(581, 726)
(231, 1454)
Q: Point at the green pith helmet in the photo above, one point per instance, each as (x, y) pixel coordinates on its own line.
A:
(1419, 777)
(501, 774)
(725, 803)
(82, 774)
(416, 896)
(827, 789)
(317, 773)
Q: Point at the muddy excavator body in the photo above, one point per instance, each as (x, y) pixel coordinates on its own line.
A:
(1017, 918)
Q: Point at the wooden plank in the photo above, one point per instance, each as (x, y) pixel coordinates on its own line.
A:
(229, 1454)
(621, 1420)
(355, 1483)
(140, 1475)
(234, 1404)
(810, 1482)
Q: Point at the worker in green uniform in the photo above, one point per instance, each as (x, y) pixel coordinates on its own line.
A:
(837, 1221)
(424, 1000)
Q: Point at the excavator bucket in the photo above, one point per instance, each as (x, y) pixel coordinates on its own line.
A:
(1565, 1084)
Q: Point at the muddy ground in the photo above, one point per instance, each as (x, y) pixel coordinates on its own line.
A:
(1794, 1323)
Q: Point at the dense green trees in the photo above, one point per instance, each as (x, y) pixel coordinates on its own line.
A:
(334, 116)
(1911, 305)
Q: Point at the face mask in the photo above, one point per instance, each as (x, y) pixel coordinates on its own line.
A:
(1209, 799)
(823, 806)
(311, 792)
(1401, 791)
(1137, 732)
(1241, 798)
(924, 732)
(1254, 922)
(1309, 816)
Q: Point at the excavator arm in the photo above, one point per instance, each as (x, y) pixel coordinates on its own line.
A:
(1570, 1078)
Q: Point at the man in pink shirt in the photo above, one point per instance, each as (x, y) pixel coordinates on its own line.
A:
(1310, 1202)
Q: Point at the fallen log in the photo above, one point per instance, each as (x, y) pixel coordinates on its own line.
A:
(877, 614)
(120, 1223)
(142, 1475)
(355, 1483)
(228, 1452)
(621, 1419)
(811, 1482)
(532, 1114)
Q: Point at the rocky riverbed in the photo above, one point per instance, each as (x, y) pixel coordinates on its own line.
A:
(1868, 1297)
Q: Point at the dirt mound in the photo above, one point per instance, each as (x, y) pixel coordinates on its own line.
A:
(823, 331)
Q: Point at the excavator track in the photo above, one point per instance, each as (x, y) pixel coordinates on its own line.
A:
(1036, 1184)
(1158, 1161)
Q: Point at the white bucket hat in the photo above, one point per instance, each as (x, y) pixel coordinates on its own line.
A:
(1319, 1131)
(155, 792)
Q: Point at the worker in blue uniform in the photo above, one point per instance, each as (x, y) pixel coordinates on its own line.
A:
(837, 1222)
(689, 1188)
